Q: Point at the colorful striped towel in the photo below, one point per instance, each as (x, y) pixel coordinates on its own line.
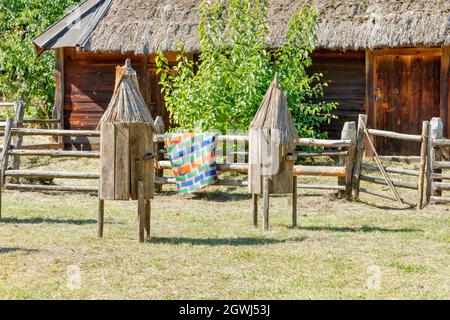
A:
(193, 160)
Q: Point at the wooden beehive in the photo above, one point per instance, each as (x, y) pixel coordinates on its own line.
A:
(126, 144)
(272, 137)
(126, 157)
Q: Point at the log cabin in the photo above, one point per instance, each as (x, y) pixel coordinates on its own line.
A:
(386, 58)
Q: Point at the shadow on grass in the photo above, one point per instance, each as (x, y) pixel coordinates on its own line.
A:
(78, 222)
(223, 241)
(9, 250)
(363, 229)
(384, 207)
(218, 196)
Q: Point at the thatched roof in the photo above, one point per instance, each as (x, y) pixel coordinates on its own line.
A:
(145, 26)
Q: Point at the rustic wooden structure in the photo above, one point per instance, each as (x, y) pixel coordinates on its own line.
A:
(437, 164)
(126, 150)
(365, 141)
(374, 64)
(273, 138)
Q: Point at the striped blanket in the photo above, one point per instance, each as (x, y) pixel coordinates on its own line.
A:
(193, 160)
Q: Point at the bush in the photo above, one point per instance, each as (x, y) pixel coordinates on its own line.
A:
(236, 68)
(24, 76)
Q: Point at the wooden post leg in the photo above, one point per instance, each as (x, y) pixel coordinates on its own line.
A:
(101, 217)
(294, 202)
(147, 218)
(423, 165)
(141, 211)
(255, 209)
(266, 203)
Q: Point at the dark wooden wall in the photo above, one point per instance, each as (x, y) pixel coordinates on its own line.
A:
(345, 75)
(353, 78)
(89, 85)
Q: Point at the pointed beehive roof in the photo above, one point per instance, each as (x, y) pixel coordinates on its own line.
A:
(274, 114)
(127, 104)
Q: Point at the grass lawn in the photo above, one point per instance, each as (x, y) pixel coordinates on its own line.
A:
(204, 246)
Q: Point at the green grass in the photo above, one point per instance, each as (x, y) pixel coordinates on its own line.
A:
(204, 246)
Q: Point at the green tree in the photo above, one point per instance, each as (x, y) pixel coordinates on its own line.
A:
(23, 75)
(236, 68)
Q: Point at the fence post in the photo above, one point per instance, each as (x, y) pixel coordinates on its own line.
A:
(423, 164)
(159, 129)
(18, 139)
(436, 131)
(362, 122)
(4, 156)
(348, 133)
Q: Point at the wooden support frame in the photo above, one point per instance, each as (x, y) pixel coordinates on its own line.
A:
(359, 165)
(18, 139)
(348, 133)
(436, 132)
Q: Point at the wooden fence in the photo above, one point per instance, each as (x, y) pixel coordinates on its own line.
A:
(366, 135)
(235, 159)
(11, 150)
(349, 151)
(436, 175)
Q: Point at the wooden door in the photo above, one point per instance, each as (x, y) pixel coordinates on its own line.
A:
(406, 92)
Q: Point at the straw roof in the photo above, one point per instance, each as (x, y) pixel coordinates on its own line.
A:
(274, 115)
(145, 26)
(127, 104)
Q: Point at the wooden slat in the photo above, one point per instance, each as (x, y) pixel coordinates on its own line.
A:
(441, 186)
(441, 165)
(402, 184)
(409, 172)
(107, 163)
(305, 142)
(55, 153)
(122, 168)
(440, 200)
(441, 142)
(220, 182)
(395, 135)
(385, 196)
(54, 132)
(35, 187)
(440, 176)
(321, 187)
(51, 174)
(325, 171)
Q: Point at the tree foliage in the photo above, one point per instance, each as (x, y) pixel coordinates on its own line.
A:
(236, 67)
(23, 75)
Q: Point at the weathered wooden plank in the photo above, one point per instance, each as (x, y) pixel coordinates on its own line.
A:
(436, 131)
(441, 186)
(402, 184)
(325, 171)
(360, 147)
(320, 187)
(440, 200)
(107, 161)
(349, 132)
(305, 142)
(409, 172)
(37, 187)
(55, 153)
(51, 174)
(53, 132)
(394, 135)
(386, 196)
(122, 168)
(423, 165)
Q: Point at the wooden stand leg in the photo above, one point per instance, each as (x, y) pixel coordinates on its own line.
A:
(266, 203)
(255, 209)
(294, 202)
(141, 211)
(101, 217)
(147, 218)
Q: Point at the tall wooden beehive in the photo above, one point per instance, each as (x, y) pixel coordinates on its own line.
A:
(126, 144)
(273, 137)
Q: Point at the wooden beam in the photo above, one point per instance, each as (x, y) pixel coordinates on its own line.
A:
(370, 91)
(58, 107)
(445, 93)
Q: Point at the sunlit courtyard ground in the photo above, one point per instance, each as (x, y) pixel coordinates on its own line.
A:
(204, 246)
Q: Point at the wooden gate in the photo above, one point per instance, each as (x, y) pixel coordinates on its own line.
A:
(366, 135)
